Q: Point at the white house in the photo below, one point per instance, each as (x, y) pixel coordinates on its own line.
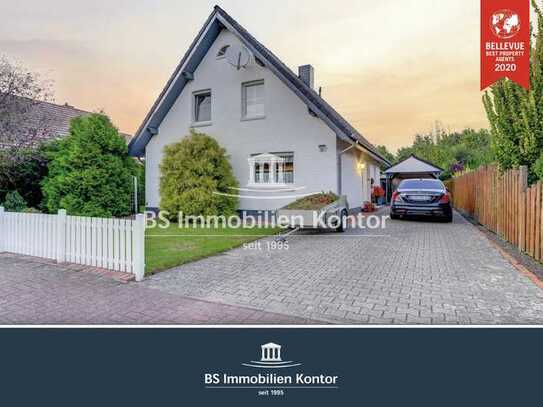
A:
(283, 139)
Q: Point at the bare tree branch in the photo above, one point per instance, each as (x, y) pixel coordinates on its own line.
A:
(22, 124)
(21, 91)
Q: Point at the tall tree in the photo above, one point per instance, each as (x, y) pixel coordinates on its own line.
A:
(456, 151)
(385, 153)
(516, 115)
(90, 172)
(22, 160)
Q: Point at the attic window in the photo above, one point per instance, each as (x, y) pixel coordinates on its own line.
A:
(222, 51)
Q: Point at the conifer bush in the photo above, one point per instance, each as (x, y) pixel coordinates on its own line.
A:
(90, 172)
(14, 202)
(193, 174)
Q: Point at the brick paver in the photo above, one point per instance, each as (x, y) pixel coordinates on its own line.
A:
(35, 292)
(410, 273)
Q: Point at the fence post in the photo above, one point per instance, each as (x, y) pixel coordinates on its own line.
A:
(61, 236)
(523, 186)
(136, 209)
(138, 249)
(2, 235)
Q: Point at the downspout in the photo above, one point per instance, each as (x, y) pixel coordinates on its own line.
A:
(339, 177)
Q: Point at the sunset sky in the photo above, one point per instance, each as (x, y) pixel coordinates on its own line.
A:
(391, 67)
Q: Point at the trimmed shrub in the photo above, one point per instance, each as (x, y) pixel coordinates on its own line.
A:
(191, 173)
(14, 202)
(90, 172)
(24, 170)
(537, 167)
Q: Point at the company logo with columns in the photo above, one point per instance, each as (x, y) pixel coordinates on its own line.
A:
(271, 358)
(271, 352)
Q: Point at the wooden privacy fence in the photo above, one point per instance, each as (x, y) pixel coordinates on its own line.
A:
(115, 244)
(504, 204)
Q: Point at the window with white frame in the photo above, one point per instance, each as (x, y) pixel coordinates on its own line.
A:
(253, 100)
(288, 167)
(202, 106)
(271, 168)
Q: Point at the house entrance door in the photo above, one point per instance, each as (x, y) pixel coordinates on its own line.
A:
(365, 185)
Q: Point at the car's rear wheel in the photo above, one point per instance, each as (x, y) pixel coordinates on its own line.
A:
(394, 216)
(449, 218)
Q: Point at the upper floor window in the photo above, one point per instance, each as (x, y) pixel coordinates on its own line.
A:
(202, 106)
(253, 100)
(222, 51)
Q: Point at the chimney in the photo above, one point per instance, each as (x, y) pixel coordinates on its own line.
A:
(307, 74)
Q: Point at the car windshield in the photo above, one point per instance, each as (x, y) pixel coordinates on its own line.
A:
(421, 184)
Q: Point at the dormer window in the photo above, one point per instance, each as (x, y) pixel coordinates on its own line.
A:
(222, 51)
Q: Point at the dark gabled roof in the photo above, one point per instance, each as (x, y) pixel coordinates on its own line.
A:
(58, 116)
(218, 20)
(413, 165)
(40, 121)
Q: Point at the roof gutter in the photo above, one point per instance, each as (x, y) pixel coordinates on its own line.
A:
(371, 153)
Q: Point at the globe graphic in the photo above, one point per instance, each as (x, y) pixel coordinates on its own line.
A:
(505, 23)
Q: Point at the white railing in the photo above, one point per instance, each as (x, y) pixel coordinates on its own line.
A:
(115, 244)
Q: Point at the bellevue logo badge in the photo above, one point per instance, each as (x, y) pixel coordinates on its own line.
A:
(505, 42)
(271, 358)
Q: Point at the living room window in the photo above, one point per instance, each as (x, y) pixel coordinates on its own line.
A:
(288, 167)
(271, 168)
(252, 100)
(202, 107)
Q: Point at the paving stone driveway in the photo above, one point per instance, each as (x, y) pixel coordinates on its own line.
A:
(412, 272)
(35, 292)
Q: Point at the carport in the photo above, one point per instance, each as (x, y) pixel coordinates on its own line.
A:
(411, 167)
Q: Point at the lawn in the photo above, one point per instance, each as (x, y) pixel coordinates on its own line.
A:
(170, 247)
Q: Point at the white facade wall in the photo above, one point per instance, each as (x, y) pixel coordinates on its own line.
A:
(357, 170)
(376, 173)
(287, 127)
(351, 185)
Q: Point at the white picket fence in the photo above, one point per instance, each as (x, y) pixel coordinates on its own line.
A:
(115, 244)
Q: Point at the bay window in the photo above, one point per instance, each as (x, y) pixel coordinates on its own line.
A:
(271, 169)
